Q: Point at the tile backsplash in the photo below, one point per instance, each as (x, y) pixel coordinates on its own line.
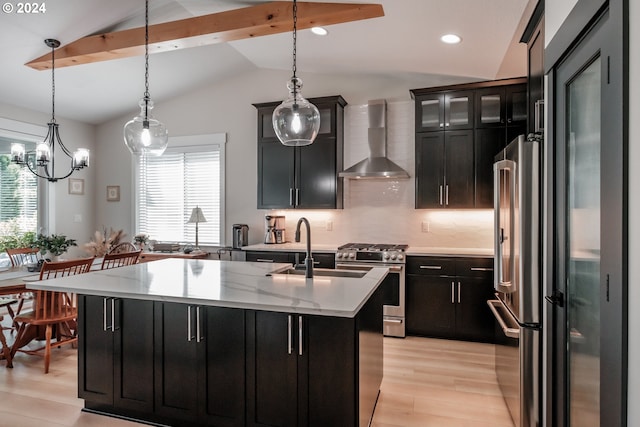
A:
(381, 210)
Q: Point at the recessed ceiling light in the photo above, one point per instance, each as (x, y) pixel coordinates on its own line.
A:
(451, 39)
(319, 31)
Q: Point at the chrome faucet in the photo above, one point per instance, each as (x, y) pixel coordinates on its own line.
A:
(308, 262)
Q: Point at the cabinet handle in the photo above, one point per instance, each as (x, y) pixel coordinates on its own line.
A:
(300, 335)
(104, 315)
(291, 197)
(189, 323)
(440, 195)
(263, 260)
(297, 196)
(458, 292)
(447, 125)
(289, 325)
(446, 195)
(198, 334)
(113, 315)
(453, 292)
(481, 269)
(431, 267)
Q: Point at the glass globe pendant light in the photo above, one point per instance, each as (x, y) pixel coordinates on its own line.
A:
(144, 134)
(296, 121)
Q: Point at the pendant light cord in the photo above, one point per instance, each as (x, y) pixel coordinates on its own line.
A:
(53, 84)
(294, 79)
(147, 96)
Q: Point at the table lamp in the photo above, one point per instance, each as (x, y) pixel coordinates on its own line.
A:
(196, 217)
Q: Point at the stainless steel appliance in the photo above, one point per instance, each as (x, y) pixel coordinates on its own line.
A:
(240, 235)
(355, 256)
(517, 278)
(274, 229)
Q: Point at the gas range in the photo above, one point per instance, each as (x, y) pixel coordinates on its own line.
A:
(372, 253)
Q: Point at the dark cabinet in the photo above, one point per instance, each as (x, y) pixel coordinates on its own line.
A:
(115, 357)
(533, 36)
(320, 260)
(447, 298)
(302, 177)
(459, 131)
(444, 168)
(199, 359)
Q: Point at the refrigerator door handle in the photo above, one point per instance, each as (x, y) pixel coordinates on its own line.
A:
(509, 332)
(505, 281)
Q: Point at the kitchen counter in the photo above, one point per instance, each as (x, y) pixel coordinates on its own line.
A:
(465, 252)
(225, 284)
(290, 247)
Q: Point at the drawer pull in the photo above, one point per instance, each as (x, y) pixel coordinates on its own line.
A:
(481, 269)
(431, 267)
(263, 260)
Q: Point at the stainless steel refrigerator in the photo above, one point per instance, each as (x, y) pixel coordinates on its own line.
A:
(517, 269)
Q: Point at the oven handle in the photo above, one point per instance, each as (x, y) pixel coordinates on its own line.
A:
(393, 268)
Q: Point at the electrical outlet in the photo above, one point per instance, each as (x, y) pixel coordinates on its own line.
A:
(425, 226)
(329, 225)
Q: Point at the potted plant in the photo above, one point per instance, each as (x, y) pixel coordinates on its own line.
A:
(55, 244)
(140, 240)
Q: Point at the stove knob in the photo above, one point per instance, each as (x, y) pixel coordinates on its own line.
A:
(400, 257)
(352, 255)
(386, 256)
(339, 255)
(394, 256)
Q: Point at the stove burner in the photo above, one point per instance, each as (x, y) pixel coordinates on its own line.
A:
(372, 247)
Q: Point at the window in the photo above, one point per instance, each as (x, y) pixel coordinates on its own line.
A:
(18, 193)
(190, 173)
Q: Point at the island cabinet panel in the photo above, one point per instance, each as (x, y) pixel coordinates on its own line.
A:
(115, 357)
(199, 361)
(301, 370)
(447, 298)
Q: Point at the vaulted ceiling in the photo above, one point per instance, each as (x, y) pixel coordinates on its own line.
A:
(404, 43)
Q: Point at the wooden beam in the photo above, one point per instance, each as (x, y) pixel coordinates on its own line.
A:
(255, 21)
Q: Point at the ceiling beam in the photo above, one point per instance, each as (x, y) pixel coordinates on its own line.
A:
(261, 20)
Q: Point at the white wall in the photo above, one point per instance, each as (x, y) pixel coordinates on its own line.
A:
(67, 208)
(373, 210)
(556, 12)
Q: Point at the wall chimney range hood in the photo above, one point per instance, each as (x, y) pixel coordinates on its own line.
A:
(377, 165)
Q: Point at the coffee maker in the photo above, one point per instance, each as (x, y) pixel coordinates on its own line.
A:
(274, 229)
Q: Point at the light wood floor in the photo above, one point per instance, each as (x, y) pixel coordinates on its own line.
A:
(427, 382)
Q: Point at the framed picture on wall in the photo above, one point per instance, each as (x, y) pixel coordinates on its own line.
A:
(76, 186)
(113, 193)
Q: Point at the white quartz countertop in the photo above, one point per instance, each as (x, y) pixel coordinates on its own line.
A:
(467, 252)
(291, 247)
(225, 284)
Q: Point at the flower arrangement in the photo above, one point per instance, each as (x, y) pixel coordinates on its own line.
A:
(56, 244)
(141, 238)
(101, 244)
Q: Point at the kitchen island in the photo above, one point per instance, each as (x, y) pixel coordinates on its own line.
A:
(222, 343)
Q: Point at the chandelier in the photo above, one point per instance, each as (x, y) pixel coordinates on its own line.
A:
(296, 121)
(43, 159)
(143, 134)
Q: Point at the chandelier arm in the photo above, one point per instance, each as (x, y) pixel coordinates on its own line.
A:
(56, 135)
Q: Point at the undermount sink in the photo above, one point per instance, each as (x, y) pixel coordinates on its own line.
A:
(324, 272)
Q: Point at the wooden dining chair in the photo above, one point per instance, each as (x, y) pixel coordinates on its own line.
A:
(5, 348)
(22, 256)
(56, 311)
(121, 259)
(123, 247)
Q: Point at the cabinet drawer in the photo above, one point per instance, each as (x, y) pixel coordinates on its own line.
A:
(431, 266)
(475, 267)
(267, 256)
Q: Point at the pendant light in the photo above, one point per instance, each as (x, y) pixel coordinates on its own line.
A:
(296, 121)
(45, 151)
(143, 134)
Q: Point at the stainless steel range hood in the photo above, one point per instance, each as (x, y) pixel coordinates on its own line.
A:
(377, 165)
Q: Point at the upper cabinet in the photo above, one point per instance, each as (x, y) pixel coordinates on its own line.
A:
(459, 131)
(302, 177)
(444, 111)
(533, 36)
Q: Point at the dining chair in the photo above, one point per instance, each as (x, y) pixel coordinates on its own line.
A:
(53, 310)
(120, 259)
(123, 247)
(22, 256)
(5, 348)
